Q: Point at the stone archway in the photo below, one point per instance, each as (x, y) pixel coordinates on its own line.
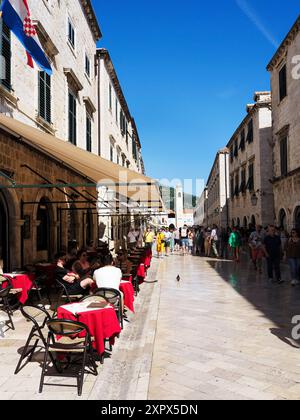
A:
(10, 231)
(283, 219)
(297, 218)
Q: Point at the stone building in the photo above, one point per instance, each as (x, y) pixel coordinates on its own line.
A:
(118, 133)
(285, 81)
(64, 104)
(251, 166)
(201, 209)
(217, 192)
(51, 145)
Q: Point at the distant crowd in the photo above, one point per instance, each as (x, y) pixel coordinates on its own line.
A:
(270, 243)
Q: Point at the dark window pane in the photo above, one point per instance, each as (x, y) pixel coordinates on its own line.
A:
(284, 157)
(282, 83)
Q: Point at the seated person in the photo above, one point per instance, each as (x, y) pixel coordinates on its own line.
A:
(124, 263)
(82, 266)
(108, 277)
(91, 247)
(71, 281)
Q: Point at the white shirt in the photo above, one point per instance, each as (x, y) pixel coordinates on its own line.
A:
(132, 237)
(108, 278)
(214, 235)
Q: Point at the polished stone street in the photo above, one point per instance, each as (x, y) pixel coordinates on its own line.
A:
(222, 332)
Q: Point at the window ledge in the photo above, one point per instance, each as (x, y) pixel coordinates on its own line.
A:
(45, 125)
(10, 97)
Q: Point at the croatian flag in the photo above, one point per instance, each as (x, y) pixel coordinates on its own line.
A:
(16, 15)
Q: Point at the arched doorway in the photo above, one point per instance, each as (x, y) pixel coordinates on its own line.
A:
(43, 240)
(253, 221)
(238, 223)
(297, 218)
(245, 224)
(4, 240)
(282, 219)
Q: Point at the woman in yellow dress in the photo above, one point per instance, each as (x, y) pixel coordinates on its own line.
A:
(160, 243)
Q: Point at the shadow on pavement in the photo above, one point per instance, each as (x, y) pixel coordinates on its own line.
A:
(278, 303)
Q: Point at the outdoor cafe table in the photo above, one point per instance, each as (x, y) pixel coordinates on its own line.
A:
(102, 323)
(127, 289)
(21, 281)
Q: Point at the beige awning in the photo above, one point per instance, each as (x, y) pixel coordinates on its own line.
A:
(133, 185)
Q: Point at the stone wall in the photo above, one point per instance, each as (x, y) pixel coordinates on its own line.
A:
(13, 155)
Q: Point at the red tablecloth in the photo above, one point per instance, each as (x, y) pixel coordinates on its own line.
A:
(128, 292)
(24, 282)
(103, 324)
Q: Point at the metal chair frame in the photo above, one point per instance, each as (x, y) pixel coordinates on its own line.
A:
(36, 332)
(114, 294)
(53, 346)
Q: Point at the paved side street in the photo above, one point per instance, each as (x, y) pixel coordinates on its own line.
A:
(221, 333)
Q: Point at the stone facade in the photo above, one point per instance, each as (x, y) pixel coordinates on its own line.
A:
(218, 192)
(52, 19)
(24, 210)
(119, 137)
(251, 166)
(286, 128)
(68, 31)
(201, 209)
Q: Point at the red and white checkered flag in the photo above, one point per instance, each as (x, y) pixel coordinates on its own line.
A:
(29, 27)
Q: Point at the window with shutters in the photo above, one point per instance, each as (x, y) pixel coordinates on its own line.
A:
(250, 136)
(111, 153)
(134, 150)
(88, 133)
(110, 97)
(282, 83)
(231, 154)
(72, 118)
(87, 66)
(5, 62)
(45, 96)
(250, 183)
(243, 140)
(71, 33)
(236, 149)
(243, 181)
(284, 156)
(237, 185)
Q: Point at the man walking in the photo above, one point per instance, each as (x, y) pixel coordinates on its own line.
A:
(272, 249)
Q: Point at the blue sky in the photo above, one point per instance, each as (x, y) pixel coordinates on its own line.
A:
(188, 69)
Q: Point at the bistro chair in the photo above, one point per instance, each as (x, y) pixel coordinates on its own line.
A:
(64, 294)
(38, 317)
(115, 298)
(6, 290)
(38, 286)
(94, 299)
(69, 338)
